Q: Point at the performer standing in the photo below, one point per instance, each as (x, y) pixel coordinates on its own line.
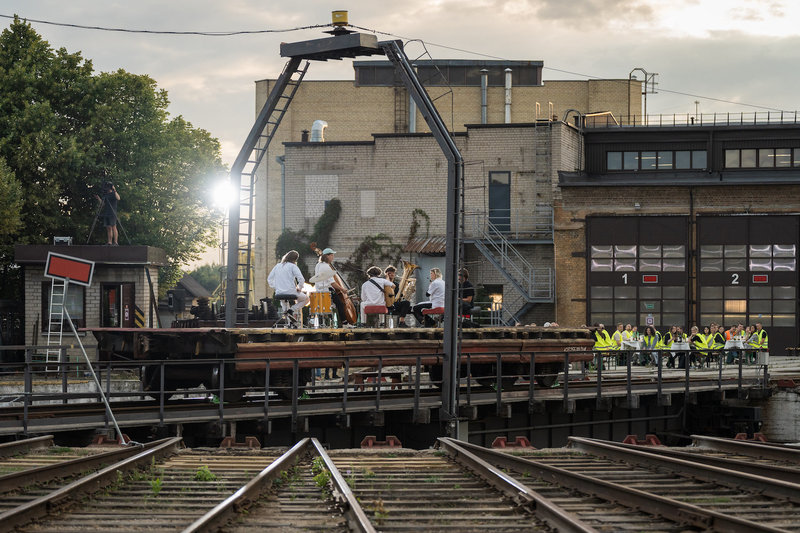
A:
(108, 210)
(436, 295)
(324, 267)
(400, 307)
(287, 279)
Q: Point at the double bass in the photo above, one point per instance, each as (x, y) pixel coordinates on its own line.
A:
(350, 312)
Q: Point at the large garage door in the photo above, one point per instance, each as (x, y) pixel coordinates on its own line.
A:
(637, 270)
(747, 273)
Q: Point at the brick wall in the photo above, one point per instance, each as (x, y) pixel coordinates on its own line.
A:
(355, 113)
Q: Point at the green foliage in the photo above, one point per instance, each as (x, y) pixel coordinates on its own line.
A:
(378, 250)
(10, 200)
(64, 130)
(301, 241)
(415, 223)
(155, 486)
(208, 276)
(204, 474)
(379, 511)
(317, 465)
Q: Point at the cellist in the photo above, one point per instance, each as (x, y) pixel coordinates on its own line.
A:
(324, 266)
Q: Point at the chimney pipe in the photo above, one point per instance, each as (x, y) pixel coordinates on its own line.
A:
(412, 110)
(304, 136)
(484, 86)
(508, 96)
(318, 131)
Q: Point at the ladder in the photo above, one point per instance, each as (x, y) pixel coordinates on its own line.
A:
(243, 177)
(55, 322)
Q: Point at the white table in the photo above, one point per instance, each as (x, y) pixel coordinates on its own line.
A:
(680, 346)
(631, 345)
(734, 343)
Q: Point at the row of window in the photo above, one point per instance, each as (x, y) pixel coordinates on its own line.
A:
(762, 158)
(657, 160)
(698, 159)
(637, 305)
(644, 258)
(741, 257)
(772, 306)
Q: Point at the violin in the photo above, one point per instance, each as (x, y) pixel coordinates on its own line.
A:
(350, 312)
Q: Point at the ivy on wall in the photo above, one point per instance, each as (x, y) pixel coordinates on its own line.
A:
(301, 241)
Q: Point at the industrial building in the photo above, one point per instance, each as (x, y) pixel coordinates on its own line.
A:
(375, 102)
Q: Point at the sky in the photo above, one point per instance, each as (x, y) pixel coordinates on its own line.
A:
(709, 55)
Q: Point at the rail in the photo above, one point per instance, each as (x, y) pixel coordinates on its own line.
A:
(289, 387)
(757, 118)
(514, 224)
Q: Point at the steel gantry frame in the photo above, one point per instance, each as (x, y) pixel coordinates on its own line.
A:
(341, 45)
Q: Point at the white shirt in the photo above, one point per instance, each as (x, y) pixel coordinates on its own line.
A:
(436, 292)
(372, 295)
(285, 277)
(324, 285)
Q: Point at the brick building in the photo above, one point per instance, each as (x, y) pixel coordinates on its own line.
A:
(683, 225)
(375, 102)
(511, 177)
(120, 289)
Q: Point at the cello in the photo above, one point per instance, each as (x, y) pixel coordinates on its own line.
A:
(350, 312)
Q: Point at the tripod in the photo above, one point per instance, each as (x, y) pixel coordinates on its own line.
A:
(100, 209)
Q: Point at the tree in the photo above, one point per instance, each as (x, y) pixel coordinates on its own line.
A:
(64, 130)
(10, 200)
(208, 276)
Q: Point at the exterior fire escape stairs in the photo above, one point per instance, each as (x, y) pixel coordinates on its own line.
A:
(533, 285)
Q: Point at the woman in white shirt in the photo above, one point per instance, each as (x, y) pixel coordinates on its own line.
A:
(285, 278)
(436, 295)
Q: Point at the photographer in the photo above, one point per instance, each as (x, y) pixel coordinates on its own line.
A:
(108, 210)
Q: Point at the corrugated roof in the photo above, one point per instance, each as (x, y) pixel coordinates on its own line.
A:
(427, 245)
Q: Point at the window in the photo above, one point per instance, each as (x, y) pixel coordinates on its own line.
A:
(632, 258)
(762, 158)
(741, 257)
(634, 305)
(614, 160)
(660, 160)
(772, 306)
(74, 304)
(117, 307)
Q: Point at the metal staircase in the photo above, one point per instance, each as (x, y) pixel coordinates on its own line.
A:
(534, 285)
(55, 323)
(243, 176)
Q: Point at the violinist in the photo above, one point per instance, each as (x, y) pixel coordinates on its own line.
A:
(325, 267)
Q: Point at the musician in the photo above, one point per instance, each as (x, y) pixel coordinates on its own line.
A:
(286, 278)
(400, 307)
(466, 292)
(372, 289)
(436, 295)
(325, 266)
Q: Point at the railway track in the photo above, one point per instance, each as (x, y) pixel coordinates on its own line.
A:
(594, 485)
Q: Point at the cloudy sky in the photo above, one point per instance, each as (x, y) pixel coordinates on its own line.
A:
(730, 55)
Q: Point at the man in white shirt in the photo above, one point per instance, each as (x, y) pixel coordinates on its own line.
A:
(286, 279)
(372, 290)
(436, 295)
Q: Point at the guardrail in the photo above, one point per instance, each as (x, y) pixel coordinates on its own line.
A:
(417, 377)
(513, 224)
(694, 119)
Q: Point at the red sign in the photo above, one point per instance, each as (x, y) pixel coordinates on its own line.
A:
(650, 278)
(760, 278)
(69, 268)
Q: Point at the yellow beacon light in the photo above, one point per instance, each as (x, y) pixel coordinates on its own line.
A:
(339, 18)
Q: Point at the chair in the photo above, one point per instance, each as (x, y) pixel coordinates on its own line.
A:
(436, 313)
(381, 311)
(288, 318)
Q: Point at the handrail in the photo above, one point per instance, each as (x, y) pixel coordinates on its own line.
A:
(694, 119)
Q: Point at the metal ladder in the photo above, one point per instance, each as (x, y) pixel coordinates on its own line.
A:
(243, 176)
(55, 323)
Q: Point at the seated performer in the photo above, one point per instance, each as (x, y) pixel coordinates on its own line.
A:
(400, 307)
(466, 292)
(372, 289)
(287, 279)
(436, 295)
(324, 265)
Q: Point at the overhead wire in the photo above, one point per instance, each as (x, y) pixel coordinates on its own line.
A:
(371, 30)
(166, 32)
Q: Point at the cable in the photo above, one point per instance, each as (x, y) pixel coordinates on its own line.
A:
(568, 71)
(159, 32)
